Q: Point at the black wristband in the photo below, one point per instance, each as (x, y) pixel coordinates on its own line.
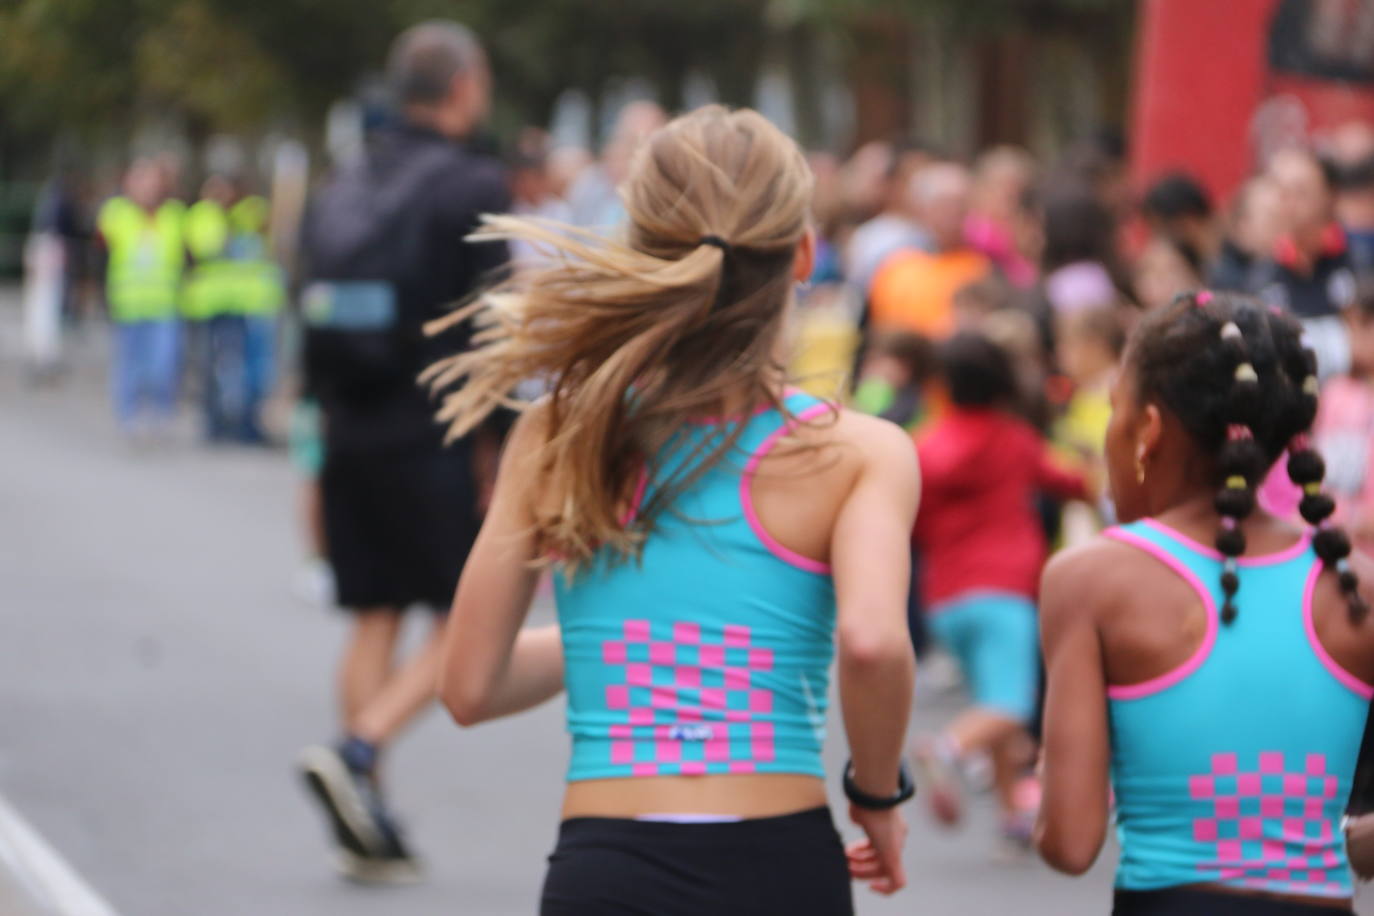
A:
(905, 789)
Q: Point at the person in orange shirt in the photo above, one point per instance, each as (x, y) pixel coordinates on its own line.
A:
(914, 290)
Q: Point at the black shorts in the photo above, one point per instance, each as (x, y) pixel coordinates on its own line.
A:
(1192, 901)
(398, 525)
(793, 864)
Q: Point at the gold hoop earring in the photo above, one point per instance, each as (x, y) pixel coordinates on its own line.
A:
(1140, 466)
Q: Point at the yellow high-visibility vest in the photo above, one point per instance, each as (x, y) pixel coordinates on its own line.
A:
(234, 273)
(146, 257)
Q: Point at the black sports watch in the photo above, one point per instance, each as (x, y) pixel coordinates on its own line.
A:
(905, 789)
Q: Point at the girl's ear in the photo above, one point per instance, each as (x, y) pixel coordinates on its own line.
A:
(1150, 432)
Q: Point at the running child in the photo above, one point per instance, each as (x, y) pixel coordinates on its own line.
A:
(1208, 663)
(1089, 345)
(716, 539)
(982, 547)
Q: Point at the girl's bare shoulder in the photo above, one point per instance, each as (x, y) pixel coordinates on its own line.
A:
(857, 432)
(1099, 574)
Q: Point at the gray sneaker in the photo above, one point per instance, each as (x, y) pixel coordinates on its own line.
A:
(398, 868)
(940, 781)
(370, 848)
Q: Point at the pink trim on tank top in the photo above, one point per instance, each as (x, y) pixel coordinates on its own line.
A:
(1165, 681)
(1263, 559)
(637, 502)
(1351, 682)
(790, 557)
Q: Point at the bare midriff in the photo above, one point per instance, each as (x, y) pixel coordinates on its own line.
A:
(742, 795)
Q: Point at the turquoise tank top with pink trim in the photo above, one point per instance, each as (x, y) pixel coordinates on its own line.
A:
(1234, 768)
(711, 654)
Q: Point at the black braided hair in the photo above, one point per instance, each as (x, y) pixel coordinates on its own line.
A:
(1239, 379)
(1307, 469)
(1241, 461)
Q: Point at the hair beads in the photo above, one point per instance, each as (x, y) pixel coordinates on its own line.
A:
(1238, 378)
(1307, 469)
(1241, 461)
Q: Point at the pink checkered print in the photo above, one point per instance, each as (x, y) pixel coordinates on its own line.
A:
(738, 710)
(1275, 850)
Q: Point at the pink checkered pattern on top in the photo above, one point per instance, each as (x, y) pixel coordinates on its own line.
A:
(696, 712)
(1273, 849)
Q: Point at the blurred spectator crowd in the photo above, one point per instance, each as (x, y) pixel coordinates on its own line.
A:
(1054, 261)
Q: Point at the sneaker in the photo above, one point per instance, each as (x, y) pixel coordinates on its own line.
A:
(978, 773)
(942, 673)
(398, 866)
(313, 583)
(938, 767)
(1016, 842)
(349, 799)
(1027, 794)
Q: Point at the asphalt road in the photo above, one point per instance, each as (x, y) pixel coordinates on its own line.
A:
(157, 678)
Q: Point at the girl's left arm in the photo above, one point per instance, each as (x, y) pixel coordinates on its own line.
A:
(492, 667)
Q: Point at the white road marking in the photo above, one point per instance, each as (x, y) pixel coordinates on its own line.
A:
(42, 873)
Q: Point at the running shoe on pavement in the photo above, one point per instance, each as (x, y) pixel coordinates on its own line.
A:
(977, 772)
(349, 798)
(313, 583)
(938, 766)
(395, 866)
(1017, 838)
(370, 846)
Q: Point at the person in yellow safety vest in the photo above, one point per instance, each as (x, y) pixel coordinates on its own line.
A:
(236, 290)
(264, 295)
(142, 235)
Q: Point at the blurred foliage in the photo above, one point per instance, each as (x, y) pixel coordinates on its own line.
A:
(212, 70)
(87, 65)
(66, 60)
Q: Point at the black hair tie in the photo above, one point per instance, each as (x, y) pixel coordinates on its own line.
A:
(715, 240)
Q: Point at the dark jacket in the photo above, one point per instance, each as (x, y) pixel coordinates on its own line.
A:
(1309, 287)
(398, 219)
(1236, 270)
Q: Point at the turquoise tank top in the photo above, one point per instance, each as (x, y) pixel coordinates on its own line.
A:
(1235, 768)
(711, 654)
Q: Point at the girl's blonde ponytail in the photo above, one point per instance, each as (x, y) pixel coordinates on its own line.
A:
(634, 338)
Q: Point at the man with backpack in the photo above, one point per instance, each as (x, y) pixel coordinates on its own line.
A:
(385, 250)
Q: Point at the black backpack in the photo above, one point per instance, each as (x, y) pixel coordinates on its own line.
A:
(364, 241)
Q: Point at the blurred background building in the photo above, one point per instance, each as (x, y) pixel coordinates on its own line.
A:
(89, 84)
(94, 83)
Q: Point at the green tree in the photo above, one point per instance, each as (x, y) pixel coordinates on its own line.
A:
(94, 67)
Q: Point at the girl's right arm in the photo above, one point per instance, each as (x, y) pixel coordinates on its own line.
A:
(871, 564)
(491, 667)
(1073, 813)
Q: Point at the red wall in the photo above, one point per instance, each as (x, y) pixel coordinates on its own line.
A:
(1200, 72)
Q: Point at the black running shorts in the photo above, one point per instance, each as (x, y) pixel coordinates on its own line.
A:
(398, 525)
(1186, 901)
(793, 864)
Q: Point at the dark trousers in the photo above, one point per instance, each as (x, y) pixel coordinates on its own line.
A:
(225, 389)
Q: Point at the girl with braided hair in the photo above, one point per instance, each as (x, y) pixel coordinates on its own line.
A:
(1207, 662)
